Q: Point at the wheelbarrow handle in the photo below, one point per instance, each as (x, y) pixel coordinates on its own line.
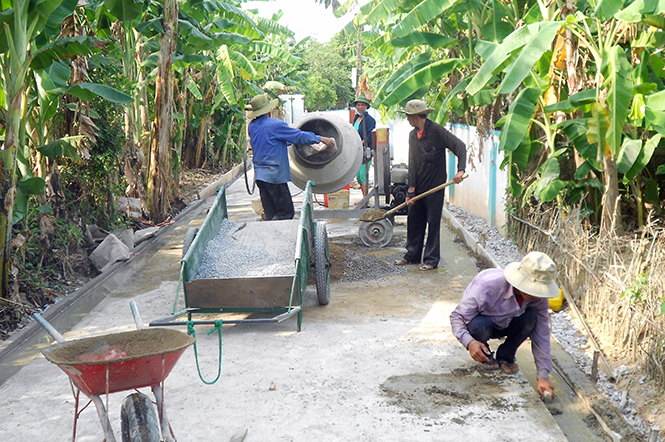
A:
(137, 316)
(49, 328)
(422, 195)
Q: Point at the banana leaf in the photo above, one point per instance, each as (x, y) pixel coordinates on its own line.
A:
(630, 150)
(424, 76)
(643, 157)
(125, 10)
(419, 16)
(498, 54)
(528, 56)
(401, 73)
(518, 119)
(617, 72)
(423, 38)
(88, 91)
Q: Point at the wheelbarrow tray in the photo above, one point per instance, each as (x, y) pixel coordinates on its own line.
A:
(279, 293)
(129, 360)
(255, 286)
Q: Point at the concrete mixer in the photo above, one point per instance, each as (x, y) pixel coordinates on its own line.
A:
(332, 169)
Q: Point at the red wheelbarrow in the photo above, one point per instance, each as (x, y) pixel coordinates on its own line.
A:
(117, 362)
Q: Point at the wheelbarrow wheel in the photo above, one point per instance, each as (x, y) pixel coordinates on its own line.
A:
(139, 420)
(321, 263)
(189, 239)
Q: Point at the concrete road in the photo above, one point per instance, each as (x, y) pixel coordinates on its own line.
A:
(378, 363)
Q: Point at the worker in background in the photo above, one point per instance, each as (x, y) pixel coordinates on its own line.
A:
(428, 142)
(511, 303)
(270, 138)
(364, 123)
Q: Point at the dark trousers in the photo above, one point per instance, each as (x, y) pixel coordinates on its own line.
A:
(276, 200)
(482, 329)
(425, 213)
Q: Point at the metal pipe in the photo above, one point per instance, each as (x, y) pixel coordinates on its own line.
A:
(103, 417)
(278, 318)
(49, 328)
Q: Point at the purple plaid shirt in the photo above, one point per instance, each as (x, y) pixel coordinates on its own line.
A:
(490, 295)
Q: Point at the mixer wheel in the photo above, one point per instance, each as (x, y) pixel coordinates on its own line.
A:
(376, 233)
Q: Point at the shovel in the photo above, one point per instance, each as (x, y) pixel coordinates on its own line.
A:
(379, 214)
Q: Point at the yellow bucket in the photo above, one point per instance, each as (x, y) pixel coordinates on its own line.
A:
(556, 303)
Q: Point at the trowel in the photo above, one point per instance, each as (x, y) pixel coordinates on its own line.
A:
(553, 406)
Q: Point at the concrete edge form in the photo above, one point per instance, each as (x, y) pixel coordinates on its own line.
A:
(229, 176)
(609, 418)
(25, 344)
(470, 241)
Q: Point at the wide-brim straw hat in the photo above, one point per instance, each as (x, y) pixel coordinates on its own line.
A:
(362, 98)
(534, 275)
(416, 107)
(260, 105)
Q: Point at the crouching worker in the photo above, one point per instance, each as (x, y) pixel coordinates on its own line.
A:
(511, 303)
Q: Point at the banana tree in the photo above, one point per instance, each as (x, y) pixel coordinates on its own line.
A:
(609, 147)
(29, 44)
(236, 50)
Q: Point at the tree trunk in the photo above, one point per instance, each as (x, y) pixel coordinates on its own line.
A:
(611, 212)
(15, 71)
(158, 195)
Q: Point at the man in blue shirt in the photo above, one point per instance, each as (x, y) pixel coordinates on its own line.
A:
(270, 138)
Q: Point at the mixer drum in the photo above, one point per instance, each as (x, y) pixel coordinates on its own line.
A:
(333, 168)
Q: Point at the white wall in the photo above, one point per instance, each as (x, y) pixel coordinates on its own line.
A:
(483, 194)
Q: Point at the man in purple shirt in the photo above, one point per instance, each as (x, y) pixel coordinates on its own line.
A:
(511, 303)
(270, 138)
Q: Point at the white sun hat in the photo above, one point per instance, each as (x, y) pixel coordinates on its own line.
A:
(416, 107)
(534, 275)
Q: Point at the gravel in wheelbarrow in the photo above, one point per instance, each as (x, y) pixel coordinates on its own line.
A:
(133, 359)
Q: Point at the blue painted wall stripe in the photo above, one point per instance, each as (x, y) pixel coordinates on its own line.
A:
(491, 203)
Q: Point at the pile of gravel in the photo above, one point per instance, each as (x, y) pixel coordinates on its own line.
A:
(238, 251)
(504, 251)
(349, 265)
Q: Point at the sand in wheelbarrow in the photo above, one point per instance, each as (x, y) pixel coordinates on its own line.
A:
(118, 346)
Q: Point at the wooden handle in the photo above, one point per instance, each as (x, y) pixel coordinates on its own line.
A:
(423, 195)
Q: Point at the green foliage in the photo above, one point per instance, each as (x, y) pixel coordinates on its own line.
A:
(49, 243)
(327, 66)
(320, 94)
(95, 182)
(637, 292)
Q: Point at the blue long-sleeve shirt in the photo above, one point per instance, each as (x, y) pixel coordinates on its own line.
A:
(270, 138)
(489, 294)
